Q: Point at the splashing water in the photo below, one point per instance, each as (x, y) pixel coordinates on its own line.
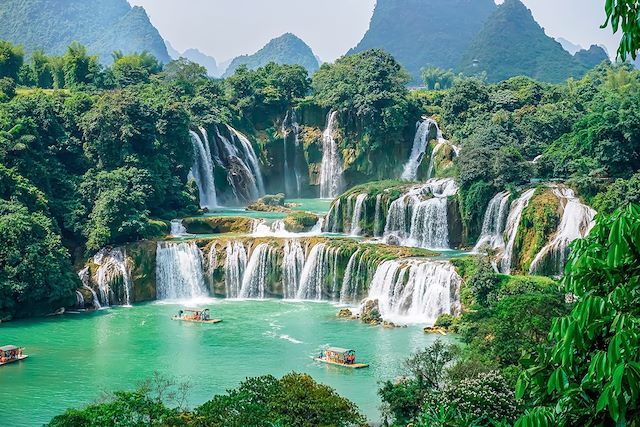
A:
(179, 272)
(112, 270)
(202, 170)
(511, 229)
(292, 265)
(234, 267)
(256, 276)
(576, 222)
(357, 216)
(494, 223)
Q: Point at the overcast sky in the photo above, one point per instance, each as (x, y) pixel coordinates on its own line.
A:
(225, 29)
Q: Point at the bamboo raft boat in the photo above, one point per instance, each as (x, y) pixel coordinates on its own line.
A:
(340, 357)
(11, 354)
(195, 316)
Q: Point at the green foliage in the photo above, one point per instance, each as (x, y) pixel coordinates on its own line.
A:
(293, 400)
(483, 282)
(11, 59)
(133, 69)
(588, 373)
(623, 14)
(79, 68)
(619, 194)
(35, 269)
(435, 78)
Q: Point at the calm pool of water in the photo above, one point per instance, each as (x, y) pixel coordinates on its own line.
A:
(74, 358)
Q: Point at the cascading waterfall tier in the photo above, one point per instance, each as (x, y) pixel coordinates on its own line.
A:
(511, 229)
(494, 223)
(257, 272)
(234, 268)
(250, 156)
(331, 181)
(419, 218)
(415, 291)
(576, 222)
(426, 131)
(319, 273)
(358, 213)
(202, 169)
(178, 229)
(292, 266)
(179, 272)
(112, 277)
(85, 278)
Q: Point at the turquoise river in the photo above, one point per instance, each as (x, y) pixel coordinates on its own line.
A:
(76, 357)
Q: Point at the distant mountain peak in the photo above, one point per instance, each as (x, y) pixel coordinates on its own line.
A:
(285, 49)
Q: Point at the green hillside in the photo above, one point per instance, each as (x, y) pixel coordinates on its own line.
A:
(512, 43)
(421, 33)
(102, 25)
(286, 49)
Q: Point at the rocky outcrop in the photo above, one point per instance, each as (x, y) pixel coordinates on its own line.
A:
(218, 225)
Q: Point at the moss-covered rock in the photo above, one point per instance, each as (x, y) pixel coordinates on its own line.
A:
(141, 259)
(269, 203)
(218, 225)
(539, 222)
(299, 221)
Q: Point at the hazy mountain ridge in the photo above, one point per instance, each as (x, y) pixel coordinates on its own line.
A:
(102, 25)
(286, 49)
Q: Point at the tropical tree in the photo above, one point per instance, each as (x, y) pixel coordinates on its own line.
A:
(625, 15)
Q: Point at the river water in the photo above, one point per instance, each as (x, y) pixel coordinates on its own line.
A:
(77, 357)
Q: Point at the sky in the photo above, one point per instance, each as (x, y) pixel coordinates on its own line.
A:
(225, 29)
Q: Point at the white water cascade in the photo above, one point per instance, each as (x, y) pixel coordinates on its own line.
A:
(79, 300)
(377, 216)
(576, 222)
(415, 291)
(420, 143)
(234, 267)
(85, 278)
(256, 276)
(202, 169)
(354, 280)
(511, 229)
(331, 181)
(291, 174)
(319, 270)
(357, 216)
(177, 229)
(235, 160)
(250, 156)
(179, 272)
(494, 223)
(292, 266)
(419, 218)
(112, 269)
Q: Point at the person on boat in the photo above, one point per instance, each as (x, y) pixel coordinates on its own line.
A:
(180, 313)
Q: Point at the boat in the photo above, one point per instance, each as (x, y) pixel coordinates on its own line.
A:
(195, 316)
(10, 354)
(340, 357)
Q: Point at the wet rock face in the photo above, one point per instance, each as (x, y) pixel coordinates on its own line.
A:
(371, 312)
(345, 313)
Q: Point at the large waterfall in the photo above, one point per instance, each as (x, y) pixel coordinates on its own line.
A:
(256, 276)
(250, 156)
(494, 223)
(202, 169)
(576, 222)
(292, 266)
(112, 277)
(245, 181)
(415, 291)
(420, 143)
(291, 173)
(511, 229)
(234, 268)
(179, 272)
(419, 218)
(319, 270)
(331, 181)
(358, 211)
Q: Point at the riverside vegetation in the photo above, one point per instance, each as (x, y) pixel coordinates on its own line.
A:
(94, 157)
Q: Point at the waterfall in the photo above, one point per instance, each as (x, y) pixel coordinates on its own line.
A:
(511, 229)
(420, 142)
(331, 182)
(212, 260)
(256, 276)
(292, 265)
(357, 216)
(177, 229)
(113, 271)
(419, 218)
(251, 180)
(354, 279)
(234, 267)
(335, 209)
(415, 291)
(292, 178)
(250, 156)
(79, 300)
(493, 223)
(576, 222)
(179, 271)
(202, 169)
(85, 278)
(432, 160)
(377, 216)
(319, 270)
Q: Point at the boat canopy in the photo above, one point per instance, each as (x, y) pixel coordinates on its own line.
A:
(8, 348)
(338, 350)
(195, 310)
